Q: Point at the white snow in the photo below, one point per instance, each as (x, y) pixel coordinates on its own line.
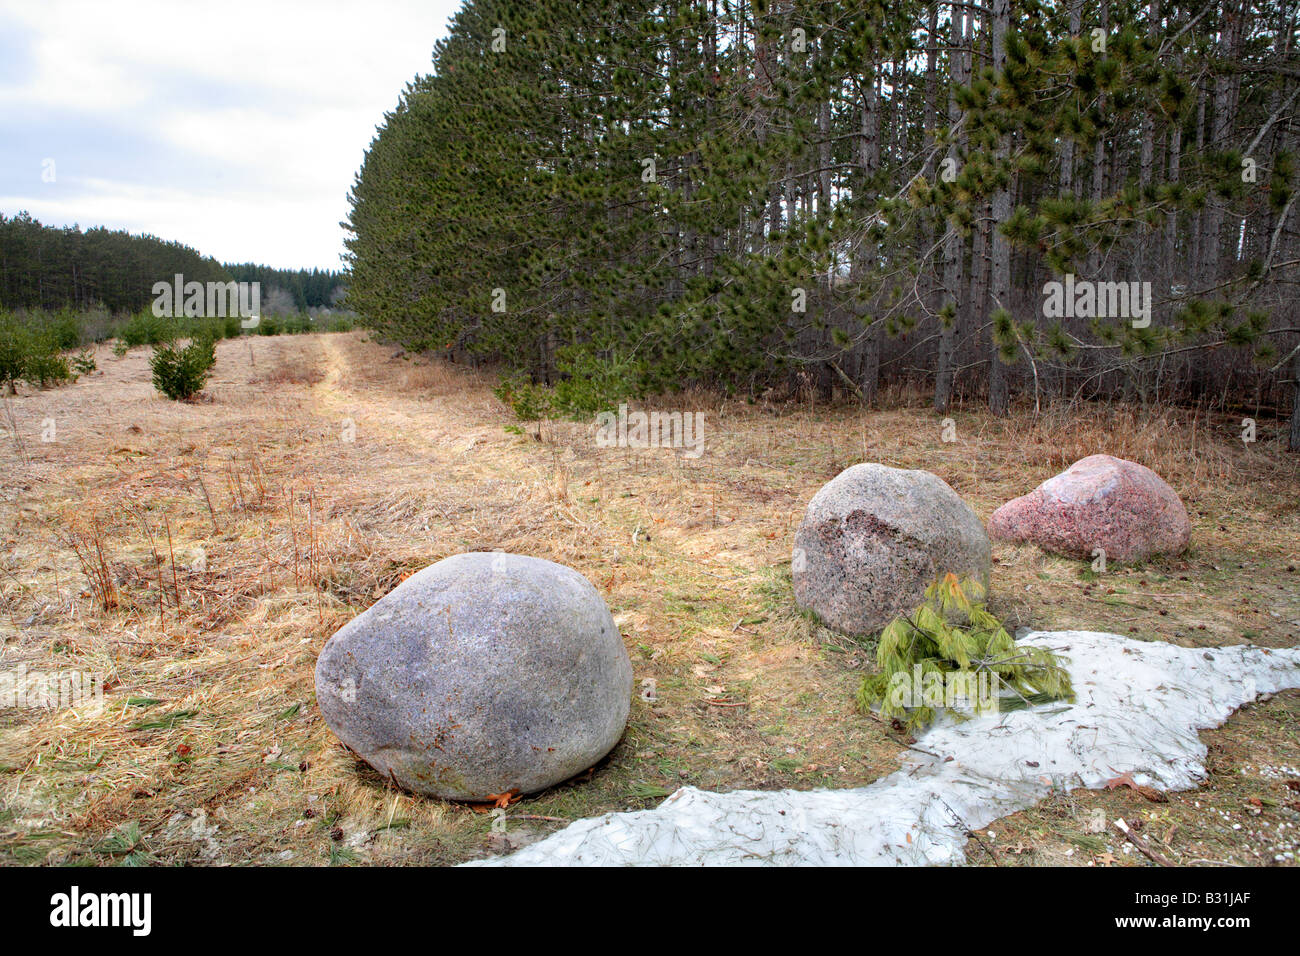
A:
(1139, 706)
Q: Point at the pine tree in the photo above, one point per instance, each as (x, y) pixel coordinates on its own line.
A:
(748, 194)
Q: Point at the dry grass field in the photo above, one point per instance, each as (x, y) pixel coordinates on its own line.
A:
(199, 555)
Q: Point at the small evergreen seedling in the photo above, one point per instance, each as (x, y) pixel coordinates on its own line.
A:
(46, 367)
(145, 328)
(181, 373)
(529, 402)
(30, 355)
(15, 352)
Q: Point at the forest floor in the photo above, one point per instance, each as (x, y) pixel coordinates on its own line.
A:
(199, 555)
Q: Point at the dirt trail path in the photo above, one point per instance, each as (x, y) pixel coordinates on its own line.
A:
(235, 535)
(440, 428)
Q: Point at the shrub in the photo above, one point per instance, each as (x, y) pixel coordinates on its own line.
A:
(325, 320)
(529, 402)
(269, 325)
(15, 351)
(195, 327)
(145, 328)
(84, 363)
(232, 326)
(96, 325)
(64, 329)
(181, 373)
(47, 367)
(30, 356)
(590, 384)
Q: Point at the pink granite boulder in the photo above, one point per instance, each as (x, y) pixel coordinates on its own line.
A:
(1098, 502)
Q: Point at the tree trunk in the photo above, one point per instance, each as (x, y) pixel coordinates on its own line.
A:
(1099, 155)
(954, 244)
(1211, 244)
(1294, 444)
(865, 259)
(1067, 146)
(1148, 119)
(1000, 246)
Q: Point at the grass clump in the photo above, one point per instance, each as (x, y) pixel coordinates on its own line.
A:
(181, 373)
(952, 634)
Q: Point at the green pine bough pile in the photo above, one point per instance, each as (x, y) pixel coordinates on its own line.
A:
(953, 640)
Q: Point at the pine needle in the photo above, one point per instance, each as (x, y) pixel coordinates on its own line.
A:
(952, 640)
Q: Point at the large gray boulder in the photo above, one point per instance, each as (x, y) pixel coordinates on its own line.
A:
(874, 538)
(481, 674)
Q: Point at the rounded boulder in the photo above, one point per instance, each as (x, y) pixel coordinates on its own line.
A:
(483, 674)
(874, 538)
(1100, 503)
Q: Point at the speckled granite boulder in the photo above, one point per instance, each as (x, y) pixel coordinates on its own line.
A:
(481, 674)
(874, 538)
(1098, 502)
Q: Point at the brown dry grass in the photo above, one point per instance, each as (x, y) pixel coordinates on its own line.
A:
(233, 536)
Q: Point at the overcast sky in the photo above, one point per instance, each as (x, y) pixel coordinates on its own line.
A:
(235, 127)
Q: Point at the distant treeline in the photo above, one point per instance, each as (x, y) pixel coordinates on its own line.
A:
(311, 289)
(52, 268)
(47, 267)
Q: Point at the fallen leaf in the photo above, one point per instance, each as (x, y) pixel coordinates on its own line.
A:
(1126, 780)
(1123, 780)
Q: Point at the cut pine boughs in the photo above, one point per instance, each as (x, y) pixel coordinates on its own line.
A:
(952, 653)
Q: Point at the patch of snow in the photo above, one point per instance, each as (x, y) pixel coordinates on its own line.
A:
(1139, 706)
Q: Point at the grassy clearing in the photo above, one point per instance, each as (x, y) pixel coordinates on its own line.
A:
(198, 556)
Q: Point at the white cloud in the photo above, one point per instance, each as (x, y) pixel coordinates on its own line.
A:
(248, 119)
